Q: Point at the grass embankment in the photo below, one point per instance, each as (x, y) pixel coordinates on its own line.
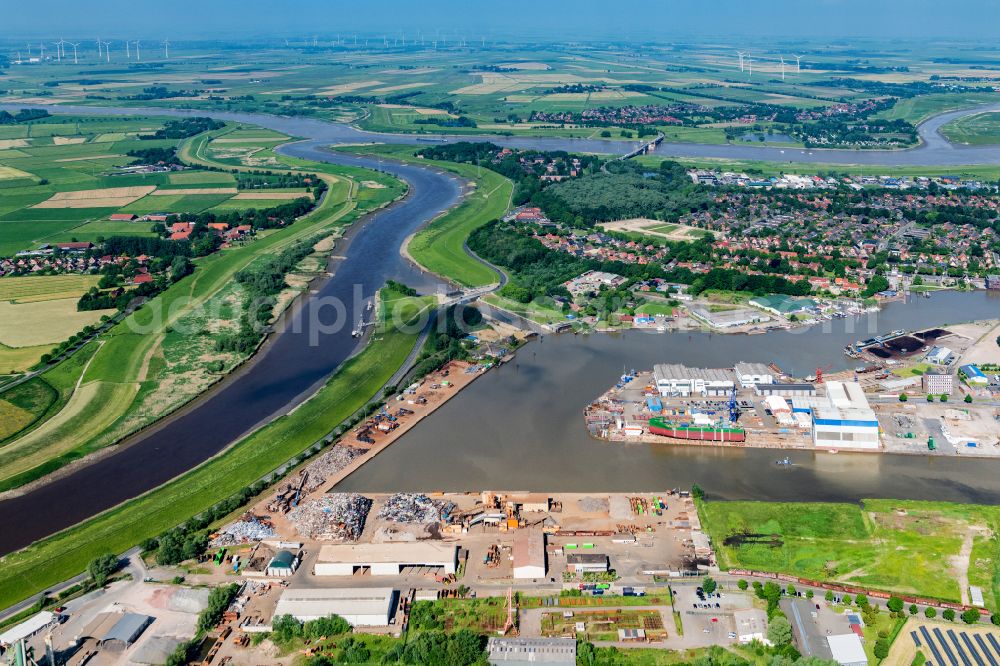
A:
(27, 405)
(66, 554)
(931, 549)
(118, 392)
(920, 108)
(981, 129)
(440, 246)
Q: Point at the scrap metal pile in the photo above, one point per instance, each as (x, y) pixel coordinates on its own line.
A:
(328, 464)
(593, 504)
(247, 529)
(415, 508)
(335, 516)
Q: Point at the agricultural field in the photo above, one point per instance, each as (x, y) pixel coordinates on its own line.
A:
(64, 180)
(495, 88)
(933, 549)
(37, 312)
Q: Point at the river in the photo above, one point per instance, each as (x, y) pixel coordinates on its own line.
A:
(495, 455)
(521, 426)
(288, 369)
(934, 148)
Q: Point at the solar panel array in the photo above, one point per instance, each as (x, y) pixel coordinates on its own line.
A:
(958, 648)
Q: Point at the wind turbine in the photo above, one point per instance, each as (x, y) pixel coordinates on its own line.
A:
(798, 60)
(100, 45)
(128, 52)
(75, 60)
(741, 54)
(107, 50)
(166, 49)
(749, 67)
(137, 58)
(41, 48)
(29, 49)
(58, 46)
(782, 59)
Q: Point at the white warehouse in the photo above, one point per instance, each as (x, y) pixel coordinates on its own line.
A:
(385, 559)
(753, 374)
(361, 607)
(678, 379)
(845, 421)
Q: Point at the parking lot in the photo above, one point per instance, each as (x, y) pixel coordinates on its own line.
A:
(708, 619)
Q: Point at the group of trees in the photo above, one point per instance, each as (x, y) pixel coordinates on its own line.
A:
(626, 190)
(261, 282)
(285, 628)
(184, 128)
(22, 116)
(264, 218)
(250, 180)
(154, 156)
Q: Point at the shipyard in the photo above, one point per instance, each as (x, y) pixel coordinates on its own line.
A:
(914, 394)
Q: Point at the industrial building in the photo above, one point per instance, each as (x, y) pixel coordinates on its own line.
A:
(781, 304)
(937, 383)
(529, 554)
(845, 421)
(361, 607)
(847, 650)
(283, 564)
(940, 355)
(785, 390)
(678, 379)
(587, 563)
(28, 628)
(526, 651)
(973, 375)
(385, 559)
(728, 318)
(125, 632)
(751, 625)
(531, 503)
(750, 375)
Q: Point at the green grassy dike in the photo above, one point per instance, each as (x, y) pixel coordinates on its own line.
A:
(440, 246)
(66, 554)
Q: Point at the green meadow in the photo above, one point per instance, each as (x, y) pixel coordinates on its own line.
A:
(908, 547)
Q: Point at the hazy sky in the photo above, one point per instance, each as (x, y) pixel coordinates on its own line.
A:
(555, 19)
